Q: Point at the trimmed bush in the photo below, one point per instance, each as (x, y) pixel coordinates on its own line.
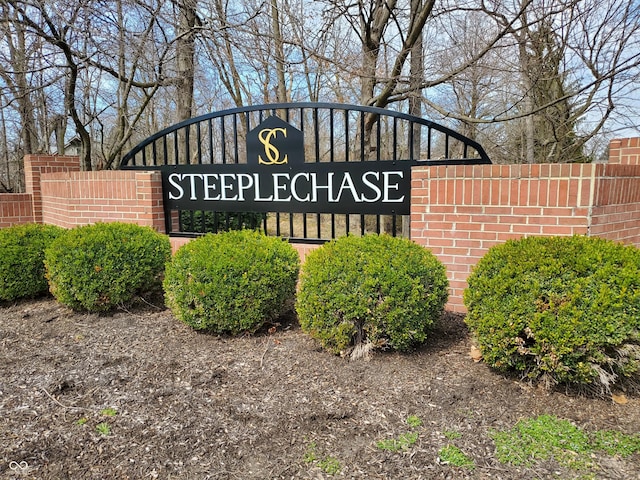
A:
(97, 267)
(22, 248)
(562, 309)
(231, 282)
(371, 290)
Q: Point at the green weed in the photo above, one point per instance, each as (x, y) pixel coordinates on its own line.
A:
(452, 455)
(103, 428)
(616, 443)
(414, 421)
(403, 442)
(328, 464)
(547, 436)
(452, 434)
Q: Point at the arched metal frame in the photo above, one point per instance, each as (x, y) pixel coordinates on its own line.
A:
(332, 133)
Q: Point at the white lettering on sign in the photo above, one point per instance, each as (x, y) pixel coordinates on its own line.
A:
(304, 187)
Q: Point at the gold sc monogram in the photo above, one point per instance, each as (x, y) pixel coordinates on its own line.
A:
(272, 153)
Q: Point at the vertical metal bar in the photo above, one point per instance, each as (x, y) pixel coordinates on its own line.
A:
(144, 156)
(203, 228)
(347, 226)
(210, 126)
(346, 134)
(291, 225)
(277, 224)
(187, 141)
(154, 152)
(428, 143)
(199, 142)
(362, 224)
(331, 136)
(168, 224)
(378, 137)
(316, 133)
(304, 226)
(224, 149)
(362, 156)
(176, 155)
(247, 129)
(317, 153)
(393, 224)
(395, 139)
(446, 146)
(333, 225)
(304, 215)
(165, 151)
(411, 141)
(235, 139)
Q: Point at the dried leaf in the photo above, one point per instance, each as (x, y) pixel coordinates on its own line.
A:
(475, 353)
(620, 399)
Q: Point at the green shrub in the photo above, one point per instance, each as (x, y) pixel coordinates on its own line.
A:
(231, 282)
(22, 248)
(371, 290)
(97, 267)
(561, 309)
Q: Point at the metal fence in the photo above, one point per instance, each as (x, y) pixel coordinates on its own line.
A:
(331, 132)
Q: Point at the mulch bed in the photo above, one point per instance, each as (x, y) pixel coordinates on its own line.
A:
(186, 405)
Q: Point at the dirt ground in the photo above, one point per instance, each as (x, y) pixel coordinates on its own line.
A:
(137, 395)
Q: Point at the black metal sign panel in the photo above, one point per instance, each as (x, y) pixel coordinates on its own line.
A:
(359, 187)
(277, 179)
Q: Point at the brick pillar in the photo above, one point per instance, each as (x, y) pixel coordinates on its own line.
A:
(625, 151)
(35, 166)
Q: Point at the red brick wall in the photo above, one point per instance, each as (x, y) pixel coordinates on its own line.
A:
(35, 166)
(81, 198)
(457, 212)
(460, 212)
(625, 151)
(615, 210)
(15, 208)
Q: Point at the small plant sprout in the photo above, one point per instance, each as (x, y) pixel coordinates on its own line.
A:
(452, 434)
(403, 442)
(103, 429)
(452, 455)
(328, 464)
(81, 421)
(109, 412)
(310, 455)
(414, 421)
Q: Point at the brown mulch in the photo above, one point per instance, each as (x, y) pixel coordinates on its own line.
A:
(269, 406)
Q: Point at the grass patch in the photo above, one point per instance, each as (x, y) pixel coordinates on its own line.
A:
(452, 455)
(403, 442)
(547, 436)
